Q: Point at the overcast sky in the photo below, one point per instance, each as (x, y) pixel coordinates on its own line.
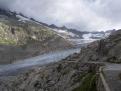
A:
(91, 15)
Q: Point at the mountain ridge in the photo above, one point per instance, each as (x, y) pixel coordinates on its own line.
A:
(20, 40)
(53, 26)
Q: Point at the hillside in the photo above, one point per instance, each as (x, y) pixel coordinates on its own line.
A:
(74, 73)
(20, 39)
(105, 50)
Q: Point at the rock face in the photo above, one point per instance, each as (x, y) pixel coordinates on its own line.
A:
(24, 39)
(105, 50)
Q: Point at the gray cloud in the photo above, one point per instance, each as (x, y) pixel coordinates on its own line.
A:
(110, 9)
(81, 14)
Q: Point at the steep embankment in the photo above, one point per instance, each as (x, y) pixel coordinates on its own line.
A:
(24, 39)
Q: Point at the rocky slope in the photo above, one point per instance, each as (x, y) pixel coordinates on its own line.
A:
(70, 74)
(61, 76)
(23, 39)
(105, 50)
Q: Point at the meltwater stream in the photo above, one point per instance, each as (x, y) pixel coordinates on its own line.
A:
(14, 68)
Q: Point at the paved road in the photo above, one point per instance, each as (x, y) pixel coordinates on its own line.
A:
(111, 74)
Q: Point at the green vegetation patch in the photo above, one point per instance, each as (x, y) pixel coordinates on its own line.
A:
(7, 41)
(88, 83)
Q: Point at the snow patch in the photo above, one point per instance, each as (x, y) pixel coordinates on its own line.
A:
(65, 34)
(21, 18)
(94, 36)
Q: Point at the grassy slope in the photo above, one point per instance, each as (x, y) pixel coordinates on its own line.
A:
(88, 83)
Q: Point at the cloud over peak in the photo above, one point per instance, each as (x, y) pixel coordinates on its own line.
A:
(85, 15)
